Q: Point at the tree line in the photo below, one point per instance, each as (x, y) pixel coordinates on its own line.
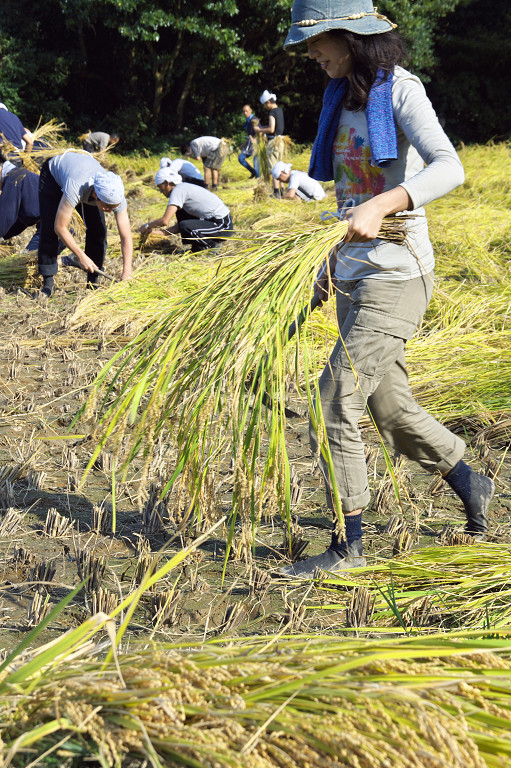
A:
(164, 70)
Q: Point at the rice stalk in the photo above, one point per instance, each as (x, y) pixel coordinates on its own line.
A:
(18, 269)
(271, 702)
(466, 587)
(188, 369)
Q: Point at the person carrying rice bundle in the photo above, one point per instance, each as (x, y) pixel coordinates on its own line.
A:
(380, 140)
(275, 134)
(75, 180)
(300, 186)
(247, 149)
(202, 219)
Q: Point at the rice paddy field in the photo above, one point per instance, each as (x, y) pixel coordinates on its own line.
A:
(148, 494)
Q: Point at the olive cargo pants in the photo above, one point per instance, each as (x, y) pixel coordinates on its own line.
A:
(376, 317)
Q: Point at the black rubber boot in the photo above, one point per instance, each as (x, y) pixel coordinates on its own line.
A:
(47, 288)
(482, 489)
(330, 561)
(476, 492)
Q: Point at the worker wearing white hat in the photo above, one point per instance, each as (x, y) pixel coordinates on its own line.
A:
(274, 132)
(300, 186)
(75, 180)
(202, 219)
(187, 170)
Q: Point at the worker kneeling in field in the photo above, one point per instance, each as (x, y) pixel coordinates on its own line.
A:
(299, 184)
(75, 180)
(202, 219)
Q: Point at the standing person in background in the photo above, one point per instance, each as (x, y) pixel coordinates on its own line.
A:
(75, 180)
(381, 141)
(248, 147)
(14, 131)
(300, 186)
(275, 132)
(99, 141)
(212, 151)
(187, 170)
(202, 219)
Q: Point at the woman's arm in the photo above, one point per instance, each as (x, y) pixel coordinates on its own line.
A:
(416, 117)
(443, 170)
(365, 219)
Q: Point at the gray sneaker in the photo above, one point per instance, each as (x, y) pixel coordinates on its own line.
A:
(329, 561)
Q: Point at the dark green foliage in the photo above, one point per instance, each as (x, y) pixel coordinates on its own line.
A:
(472, 88)
(158, 72)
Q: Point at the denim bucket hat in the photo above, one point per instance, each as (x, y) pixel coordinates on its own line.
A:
(310, 18)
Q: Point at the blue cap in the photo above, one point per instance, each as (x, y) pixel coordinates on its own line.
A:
(310, 18)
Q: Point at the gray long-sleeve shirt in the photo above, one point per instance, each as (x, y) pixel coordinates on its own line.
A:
(428, 167)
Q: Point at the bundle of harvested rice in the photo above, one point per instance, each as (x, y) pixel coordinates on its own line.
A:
(18, 269)
(190, 368)
(270, 702)
(446, 587)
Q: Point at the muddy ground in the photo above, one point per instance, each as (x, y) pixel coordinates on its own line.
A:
(45, 371)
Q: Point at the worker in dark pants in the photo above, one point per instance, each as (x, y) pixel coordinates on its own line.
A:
(19, 201)
(75, 180)
(202, 219)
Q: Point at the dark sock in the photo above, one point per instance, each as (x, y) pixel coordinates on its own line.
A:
(353, 524)
(47, 285)
(475, 491)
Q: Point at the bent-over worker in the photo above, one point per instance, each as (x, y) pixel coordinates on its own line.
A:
(212, 151)
(75, 180)
(19, 201)
(300, 186)
(187, 170)
(98, 141)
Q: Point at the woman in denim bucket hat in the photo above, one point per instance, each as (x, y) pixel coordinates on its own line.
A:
(379, 139)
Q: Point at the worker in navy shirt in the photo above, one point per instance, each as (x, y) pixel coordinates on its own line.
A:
(19, 201)
(14, 131)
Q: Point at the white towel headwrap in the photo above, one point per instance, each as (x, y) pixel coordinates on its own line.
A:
(266, 96)
(279, 167)
(108, 187)
(165, 174)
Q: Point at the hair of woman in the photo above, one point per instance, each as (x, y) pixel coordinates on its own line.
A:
(369, 53)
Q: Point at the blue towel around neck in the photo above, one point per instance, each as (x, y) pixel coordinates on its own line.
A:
(380, 125)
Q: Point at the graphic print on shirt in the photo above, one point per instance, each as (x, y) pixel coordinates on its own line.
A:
(355, 178)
